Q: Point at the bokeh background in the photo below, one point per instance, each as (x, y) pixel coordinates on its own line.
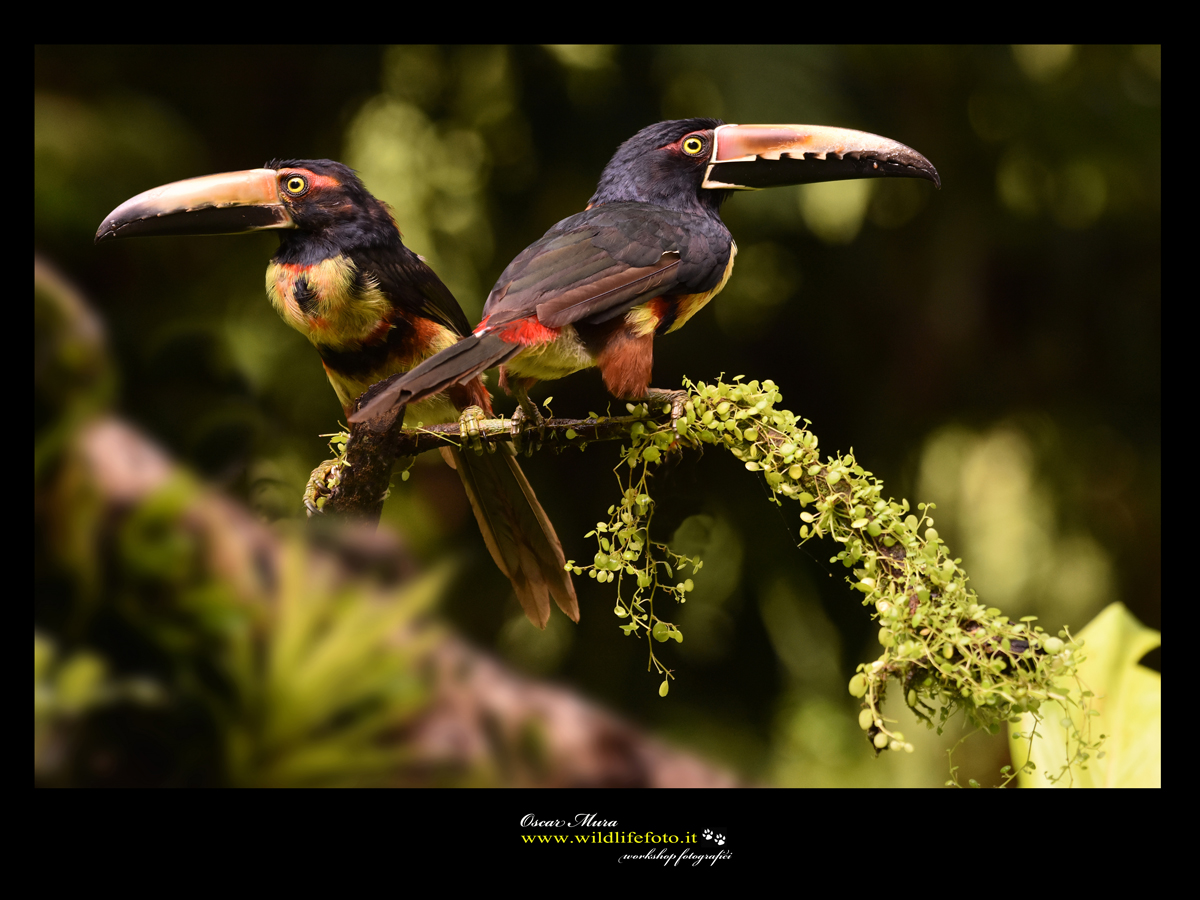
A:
(993, 347)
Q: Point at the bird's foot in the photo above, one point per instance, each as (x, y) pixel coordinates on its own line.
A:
(321, 484)
(658, 399)
(526, 419)
(469, 421)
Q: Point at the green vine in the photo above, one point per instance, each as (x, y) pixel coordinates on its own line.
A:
(947, 650)
(625, 549)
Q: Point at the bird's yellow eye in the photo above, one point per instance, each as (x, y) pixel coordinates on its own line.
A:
(692, 146)
(295, 185)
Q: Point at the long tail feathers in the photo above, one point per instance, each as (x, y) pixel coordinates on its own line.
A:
(515, 527)
(456, 364)
(517, 531)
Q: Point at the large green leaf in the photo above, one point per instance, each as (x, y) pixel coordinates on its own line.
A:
(1128, 698)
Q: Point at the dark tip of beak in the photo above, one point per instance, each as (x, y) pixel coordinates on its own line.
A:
(916, 167)
(930, 174)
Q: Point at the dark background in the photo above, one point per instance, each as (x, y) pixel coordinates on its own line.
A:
(993, 347)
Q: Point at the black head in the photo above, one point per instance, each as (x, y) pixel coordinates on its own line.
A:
(663, 164)
(327, 200)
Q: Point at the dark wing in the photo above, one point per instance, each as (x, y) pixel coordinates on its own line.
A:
(412, 286)
(594, 266)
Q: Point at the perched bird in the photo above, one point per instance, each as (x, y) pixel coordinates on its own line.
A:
(644, 257)
(372, 308)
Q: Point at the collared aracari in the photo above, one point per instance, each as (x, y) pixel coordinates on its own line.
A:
(372, 308)
(648, 252)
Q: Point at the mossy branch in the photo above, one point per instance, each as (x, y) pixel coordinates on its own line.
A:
(948, 651)
(354, 484)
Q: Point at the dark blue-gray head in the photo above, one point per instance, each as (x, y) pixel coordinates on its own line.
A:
(663, 164)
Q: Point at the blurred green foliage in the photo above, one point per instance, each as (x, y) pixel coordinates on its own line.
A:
(178, 642)
(994, 347)
(262, 669)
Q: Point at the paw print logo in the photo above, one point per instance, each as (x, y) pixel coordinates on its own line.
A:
(720, 840)
(708, 834)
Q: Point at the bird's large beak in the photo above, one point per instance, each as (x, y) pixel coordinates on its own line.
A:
(748, 157)
(213, 204)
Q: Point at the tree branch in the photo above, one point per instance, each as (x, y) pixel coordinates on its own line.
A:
(361, 478)
(558, 434)
(358, 482)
